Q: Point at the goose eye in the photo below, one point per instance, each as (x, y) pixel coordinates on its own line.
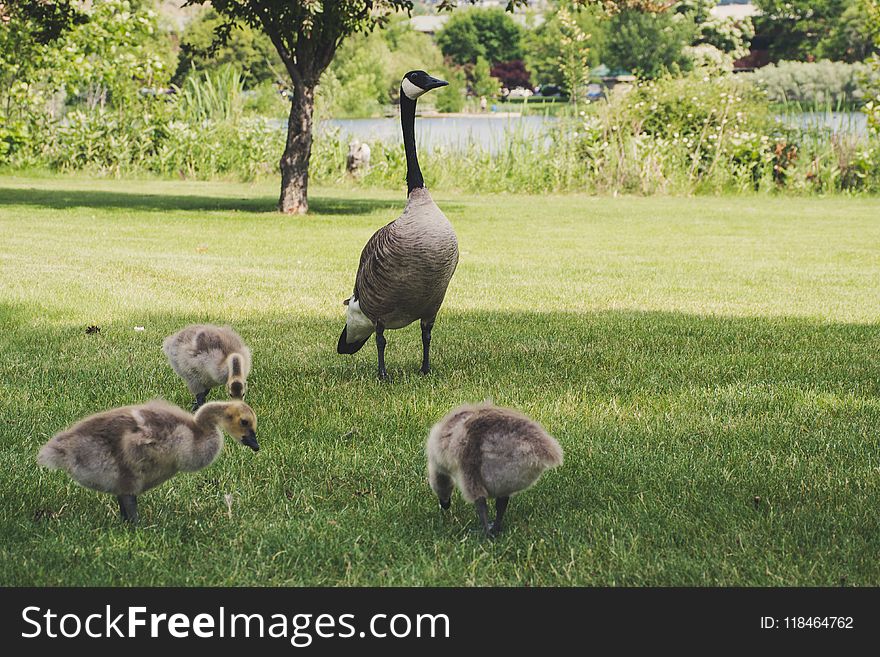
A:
(245, 423)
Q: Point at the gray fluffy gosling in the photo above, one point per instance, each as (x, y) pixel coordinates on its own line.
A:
(207, 356)
(127, 451)
(488, 451)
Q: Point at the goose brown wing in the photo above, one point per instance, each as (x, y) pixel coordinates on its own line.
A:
(367, 282)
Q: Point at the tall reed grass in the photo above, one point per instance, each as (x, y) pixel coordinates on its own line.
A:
(207, 96)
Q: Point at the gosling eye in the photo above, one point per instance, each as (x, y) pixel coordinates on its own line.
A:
(245, 423)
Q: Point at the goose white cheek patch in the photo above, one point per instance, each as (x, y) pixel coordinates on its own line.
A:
(412, 91)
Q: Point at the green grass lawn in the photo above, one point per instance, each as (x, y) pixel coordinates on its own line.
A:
(711, 367)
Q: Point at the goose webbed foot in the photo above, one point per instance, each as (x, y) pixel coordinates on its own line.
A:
(199, 401)
(128, 508)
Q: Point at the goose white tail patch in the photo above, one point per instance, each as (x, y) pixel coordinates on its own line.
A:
(411, 90)
(358, 326)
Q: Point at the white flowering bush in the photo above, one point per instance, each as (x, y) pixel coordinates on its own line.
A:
(711, 132)
(728, 35)
(706, 56)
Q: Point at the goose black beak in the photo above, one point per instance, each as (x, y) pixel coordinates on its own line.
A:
(434, 83)
(250, 440)
(445, 504)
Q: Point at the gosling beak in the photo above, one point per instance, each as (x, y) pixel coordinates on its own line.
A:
(433, 83)
(445, 504)
(250, 440)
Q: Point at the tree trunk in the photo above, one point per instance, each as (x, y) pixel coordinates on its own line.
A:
(297, 152)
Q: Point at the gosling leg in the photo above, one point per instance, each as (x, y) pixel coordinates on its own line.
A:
(483, 514)
(380, 348)
(426, 345)
(500, 508)
(128, 508)
(199, 401)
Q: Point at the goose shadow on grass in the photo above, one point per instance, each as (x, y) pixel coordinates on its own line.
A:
(624, 354)
(61, 199)
(734, 366)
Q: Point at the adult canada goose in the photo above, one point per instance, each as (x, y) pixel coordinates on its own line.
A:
(127, 451)
(206, 356)
(488, 451)
(405, 266)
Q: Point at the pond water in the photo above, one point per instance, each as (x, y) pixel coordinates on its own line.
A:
(491, 132)
(456, 132)
(854, 123)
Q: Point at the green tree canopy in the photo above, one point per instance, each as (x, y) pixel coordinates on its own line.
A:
(488, 33)
(649, 44)
(805, 30)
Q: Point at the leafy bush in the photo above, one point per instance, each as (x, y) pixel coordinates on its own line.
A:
(818, 84)
(872, 110)
(105, 141)
(697, 104)
(112, 57)
(451, 97)
(482, 81)
(13, 135)
(245, 149)
(356, 83)
(267, 100)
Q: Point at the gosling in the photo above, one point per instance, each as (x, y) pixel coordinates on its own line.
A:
(206, 356)
(127, 451)
(488, 451)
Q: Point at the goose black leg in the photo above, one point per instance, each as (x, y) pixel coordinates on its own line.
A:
(200, 401)
(128, 508)
(380, 348)
(426, 346)
(483, 513)
(500, 508)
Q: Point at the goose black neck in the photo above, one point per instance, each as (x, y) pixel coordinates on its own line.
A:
(414, 178)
